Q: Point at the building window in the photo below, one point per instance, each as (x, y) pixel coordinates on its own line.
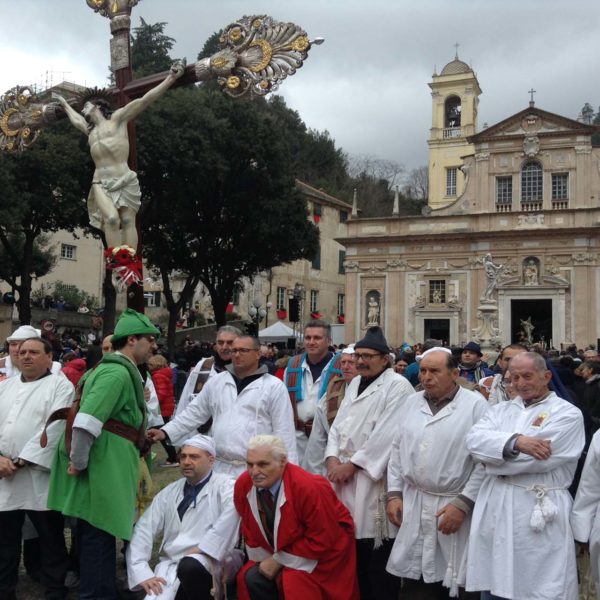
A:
(451, 181)
(152, 299)
(532, 179)
(314, 300)
(503, 190)
(341, 304)
(281, 298)
(437, 291)
(341, 259)
(316, 261)
(68, 252)
(452, 110)
(560, 186)
(343, 216)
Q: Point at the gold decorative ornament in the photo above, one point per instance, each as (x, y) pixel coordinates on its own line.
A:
(256, 23)
(10, 146)
(219, 62)
(26, 132)
(6, 130)
(23, 99)
(264, 84)
(233, 82)
(267, 54)
(235, 35)
(300, 44)
(36, 114)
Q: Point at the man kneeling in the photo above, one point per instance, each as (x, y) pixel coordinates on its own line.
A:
(199, 525)
(299, 536)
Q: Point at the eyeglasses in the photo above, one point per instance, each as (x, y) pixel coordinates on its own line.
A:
(365, 357)
(150, 338)
(243, 350)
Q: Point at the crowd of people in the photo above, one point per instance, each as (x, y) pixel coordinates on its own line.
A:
(358, 471)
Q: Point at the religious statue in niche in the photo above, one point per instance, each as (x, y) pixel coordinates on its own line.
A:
(373, 308)
(528, 328)
(530, 273)
(493, 275)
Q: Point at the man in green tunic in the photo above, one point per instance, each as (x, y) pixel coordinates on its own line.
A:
(97, 481)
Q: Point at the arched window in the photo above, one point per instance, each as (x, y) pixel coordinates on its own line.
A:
(452, 112)
(532, 180)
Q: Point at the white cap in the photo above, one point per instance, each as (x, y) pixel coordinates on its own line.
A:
(434, 349)
(25, 332)
(348, 349)
(203, 442)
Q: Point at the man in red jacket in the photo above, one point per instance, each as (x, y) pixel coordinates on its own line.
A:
(299, 536)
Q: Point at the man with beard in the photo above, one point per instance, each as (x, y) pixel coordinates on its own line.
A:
(357, 454)
(209, 367)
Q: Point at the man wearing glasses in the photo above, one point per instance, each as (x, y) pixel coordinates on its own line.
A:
(242, 401)
(358, 450)
(96, 478)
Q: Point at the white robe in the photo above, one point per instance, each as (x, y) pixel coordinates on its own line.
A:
(314, 455)
(153, 406)
(585, 517)
(430, 465)
(263, 407)
(24, 410)
(363, 431)
(307, 407)
(187, 394)
(506, 555)
(212, 525)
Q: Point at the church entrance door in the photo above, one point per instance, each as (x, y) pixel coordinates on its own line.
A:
(538, 312)
(437, 329)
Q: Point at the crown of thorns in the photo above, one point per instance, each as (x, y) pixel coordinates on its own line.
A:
(99, 96)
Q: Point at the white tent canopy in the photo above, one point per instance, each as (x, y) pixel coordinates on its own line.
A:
(278, 332)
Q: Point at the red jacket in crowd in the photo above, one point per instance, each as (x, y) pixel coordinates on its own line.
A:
(163, 382)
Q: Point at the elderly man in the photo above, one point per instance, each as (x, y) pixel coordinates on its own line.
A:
(499, 387)
(26, 402)
(357, 454)
(198, 524)
(326, 411)
(209, 367)
(307, 377)
(95, 478)
(433, 481)
(521, 546)
(299, 536)
(242, 401)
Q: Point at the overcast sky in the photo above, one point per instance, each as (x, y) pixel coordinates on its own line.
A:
(367, 85)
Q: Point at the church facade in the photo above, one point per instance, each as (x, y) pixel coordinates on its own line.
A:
(508, 247)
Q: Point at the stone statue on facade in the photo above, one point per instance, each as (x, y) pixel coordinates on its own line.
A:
(528, 328)
(373, 312)
(530, 273)
(493, 275)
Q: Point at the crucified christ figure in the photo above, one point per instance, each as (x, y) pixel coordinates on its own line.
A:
(114, 197)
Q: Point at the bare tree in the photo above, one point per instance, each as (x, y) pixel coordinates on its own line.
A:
(416, 184)
(368, 166)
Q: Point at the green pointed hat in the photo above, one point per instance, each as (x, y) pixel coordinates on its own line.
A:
(134, 323)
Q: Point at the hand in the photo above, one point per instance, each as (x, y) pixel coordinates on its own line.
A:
(156, 435)
(7, 467)
(146, 394)
(192, 550)
(269, 568)
(153, 586)
(71, 470)
(341, 473)
(539, 449)
(58, 98)
(394, 509)
(177, 69)
(450, 519)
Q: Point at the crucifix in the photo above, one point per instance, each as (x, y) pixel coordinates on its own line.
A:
(456, 50)
(257, 53)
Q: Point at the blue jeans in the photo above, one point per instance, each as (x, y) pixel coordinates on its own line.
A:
(97, 560)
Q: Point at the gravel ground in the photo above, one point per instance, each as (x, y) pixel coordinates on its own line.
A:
(30, 590)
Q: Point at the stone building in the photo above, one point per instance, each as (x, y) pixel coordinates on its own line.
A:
(508, 247)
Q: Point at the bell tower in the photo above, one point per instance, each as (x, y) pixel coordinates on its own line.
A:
(455, 97)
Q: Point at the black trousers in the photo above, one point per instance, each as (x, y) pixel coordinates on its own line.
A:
(97, 563)
(413, 589)
(195, 581)
(374, 581)
(259, 587)
(53, 551)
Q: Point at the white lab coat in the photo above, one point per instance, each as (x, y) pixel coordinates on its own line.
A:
(24, 410)
(585, 517)
(363, 431)
(187, 394)
(430, 465)
(212, 525)
(153, 406)
(314, 455)
(506, 555)
(310, 398)
(263, 407)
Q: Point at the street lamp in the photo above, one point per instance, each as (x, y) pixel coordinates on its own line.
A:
(257, 313)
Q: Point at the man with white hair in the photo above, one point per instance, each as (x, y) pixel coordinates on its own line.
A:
(299, 536)
(199, 526)
(433, 481)
(326, 410)
(521, 545)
